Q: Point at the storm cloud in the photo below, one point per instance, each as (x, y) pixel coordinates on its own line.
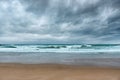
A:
(59, 21)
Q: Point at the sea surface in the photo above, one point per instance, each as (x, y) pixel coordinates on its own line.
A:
(60, 48)
(80, 54)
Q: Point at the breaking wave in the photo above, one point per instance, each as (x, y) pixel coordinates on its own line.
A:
(59, 48)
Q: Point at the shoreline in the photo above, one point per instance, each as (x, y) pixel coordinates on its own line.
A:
(91, 62)
(48, 66)
(12, 71)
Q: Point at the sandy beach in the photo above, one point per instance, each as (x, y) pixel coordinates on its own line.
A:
(56, 72)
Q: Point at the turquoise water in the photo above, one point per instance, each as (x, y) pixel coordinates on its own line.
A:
(82, 54)
(60, 48)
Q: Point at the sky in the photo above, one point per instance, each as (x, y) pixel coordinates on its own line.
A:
(59, 21)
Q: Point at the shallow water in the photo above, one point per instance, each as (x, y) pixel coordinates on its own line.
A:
(90, 59)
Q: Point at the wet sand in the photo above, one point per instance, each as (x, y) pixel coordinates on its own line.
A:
(56, 72)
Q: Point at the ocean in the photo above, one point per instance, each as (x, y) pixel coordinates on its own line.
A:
(60, 48)
(70, 54)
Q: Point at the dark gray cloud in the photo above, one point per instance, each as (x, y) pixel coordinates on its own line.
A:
(60, 21)
(38, 7)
